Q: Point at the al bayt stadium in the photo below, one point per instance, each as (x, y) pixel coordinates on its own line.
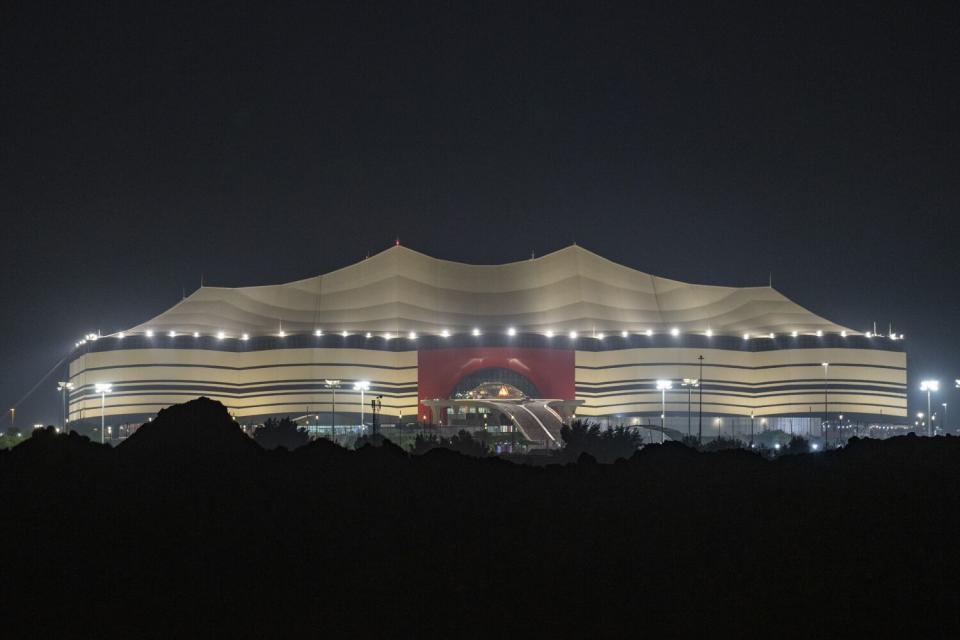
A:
(523, 346)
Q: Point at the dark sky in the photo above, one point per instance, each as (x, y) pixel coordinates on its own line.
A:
(142, 145)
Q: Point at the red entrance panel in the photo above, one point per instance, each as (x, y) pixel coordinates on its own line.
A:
(439, 370)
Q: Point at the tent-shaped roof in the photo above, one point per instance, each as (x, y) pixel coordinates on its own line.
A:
(400, 290)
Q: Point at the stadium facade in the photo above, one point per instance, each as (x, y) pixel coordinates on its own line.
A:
(586, 335)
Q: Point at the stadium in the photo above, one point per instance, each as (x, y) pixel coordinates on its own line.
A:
(521, 347)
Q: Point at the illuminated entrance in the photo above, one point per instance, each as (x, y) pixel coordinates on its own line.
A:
(504, 401)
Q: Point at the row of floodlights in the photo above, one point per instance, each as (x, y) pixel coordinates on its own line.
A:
(511, 331)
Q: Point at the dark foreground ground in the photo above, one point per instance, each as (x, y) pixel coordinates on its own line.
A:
(189, 529)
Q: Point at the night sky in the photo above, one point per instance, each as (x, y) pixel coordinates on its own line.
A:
(142, 146)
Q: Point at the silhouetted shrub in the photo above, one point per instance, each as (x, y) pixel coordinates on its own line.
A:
(722, 444)
(281, 433)
(604, 445)
(797, 444)
(463, 442)
(691, 441)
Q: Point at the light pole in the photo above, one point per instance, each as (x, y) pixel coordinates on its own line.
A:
(103, 388)
(944, 423)
(333, 385)
(826, 381)
(700, 398)
(361, 386)
(63, 387)
(663, 385)
(929, 386)
(689, 383)
(751, 429)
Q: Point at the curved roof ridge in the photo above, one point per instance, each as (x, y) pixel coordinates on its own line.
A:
(533, 292)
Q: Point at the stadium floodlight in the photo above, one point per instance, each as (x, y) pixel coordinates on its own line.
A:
(794, 334)
(361, 386)
(318, 333)
(690, 383)
(869, 334)
(663, 385)
(601, 336)
(549, 333)
(675, 332)
(196, 334)
(121, 335)
(221, 335)
(412, 335)
(511, 331)
(245, 337)
(63, 387)
(333, 385)
(624, 334)
(819, 333)
(476, 332)
(573, 335)
(771, 335)
(388, 336)
(929, 386)
(368, 335)
(709, 333)
(149, 333)
(746, 336)
(103, 388)
(445, 333)
(649, 332)
(172, 334)
(843, 334)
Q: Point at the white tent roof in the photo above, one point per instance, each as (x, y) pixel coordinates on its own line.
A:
(400, 290)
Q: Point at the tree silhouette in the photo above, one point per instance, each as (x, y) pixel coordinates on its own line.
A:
(463, 442)
(603, 445)
(797, 444)
(281, 433)
(722, 444)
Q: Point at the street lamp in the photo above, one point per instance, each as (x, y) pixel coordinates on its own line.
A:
(333, 385)
(944, 417)
(826, 381)
(663, 385)
(103, 388)
(700, 403)
(361, 386)
(689, 383)
(929, 386)
(63, 387)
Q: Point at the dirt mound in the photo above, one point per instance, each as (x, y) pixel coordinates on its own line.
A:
(202, 425)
